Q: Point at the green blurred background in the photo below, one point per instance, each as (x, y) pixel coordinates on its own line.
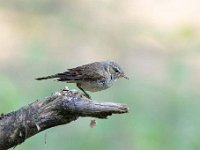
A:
(156, 42)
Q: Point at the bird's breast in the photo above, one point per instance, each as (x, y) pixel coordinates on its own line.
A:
(95, 86)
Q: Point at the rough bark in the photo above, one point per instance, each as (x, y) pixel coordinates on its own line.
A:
(60, 108)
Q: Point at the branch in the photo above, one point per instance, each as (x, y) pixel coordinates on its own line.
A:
(60, 108)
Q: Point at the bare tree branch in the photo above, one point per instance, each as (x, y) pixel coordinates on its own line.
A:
(60, 108)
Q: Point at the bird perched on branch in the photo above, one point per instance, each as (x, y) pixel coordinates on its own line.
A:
(92, 77)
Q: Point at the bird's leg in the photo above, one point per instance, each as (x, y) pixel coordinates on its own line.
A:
(86, 94)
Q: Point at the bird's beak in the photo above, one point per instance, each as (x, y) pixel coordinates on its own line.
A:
(126, 77)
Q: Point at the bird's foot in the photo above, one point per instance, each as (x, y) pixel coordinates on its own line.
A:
(87, 95)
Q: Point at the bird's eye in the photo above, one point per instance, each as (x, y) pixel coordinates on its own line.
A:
(116, 70)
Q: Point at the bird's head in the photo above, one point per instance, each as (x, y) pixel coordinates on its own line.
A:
(116, 71)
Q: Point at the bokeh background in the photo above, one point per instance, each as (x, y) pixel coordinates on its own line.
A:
(157, 43)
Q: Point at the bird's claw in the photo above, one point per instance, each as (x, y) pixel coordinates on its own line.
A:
(87, 95)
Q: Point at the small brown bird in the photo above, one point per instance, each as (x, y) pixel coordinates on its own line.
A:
(92, 77)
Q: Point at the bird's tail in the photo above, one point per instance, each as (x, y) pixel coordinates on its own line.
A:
(47, 77)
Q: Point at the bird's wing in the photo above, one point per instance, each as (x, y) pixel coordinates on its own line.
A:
(89, 73)
(84, 73)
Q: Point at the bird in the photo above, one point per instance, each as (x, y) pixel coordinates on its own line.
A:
(91, 77)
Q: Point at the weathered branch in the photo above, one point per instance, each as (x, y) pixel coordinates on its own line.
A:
(60, 108)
